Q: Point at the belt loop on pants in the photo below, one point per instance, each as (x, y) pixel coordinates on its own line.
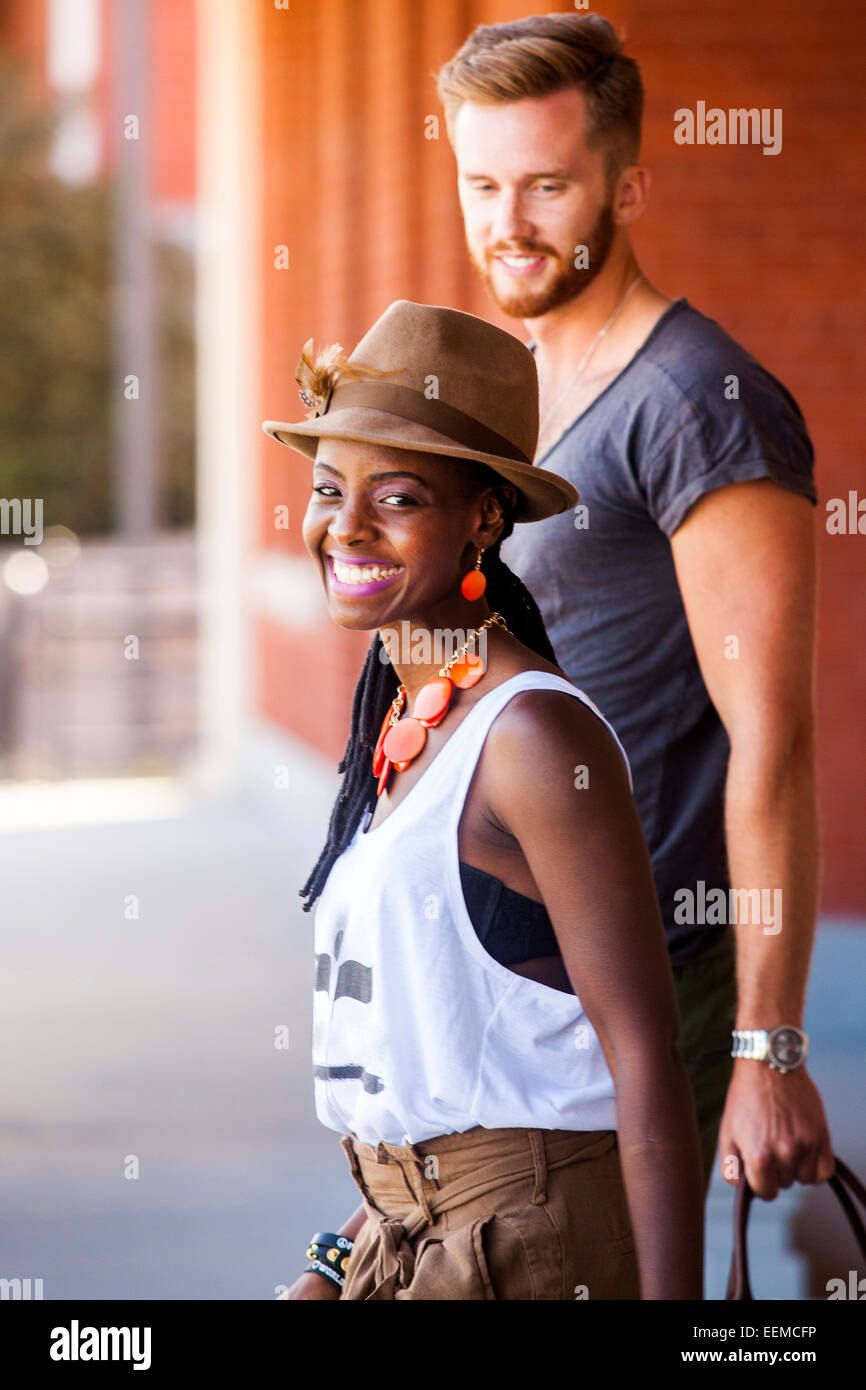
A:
(419, 1171)
(355, 1168)
(539, 1163)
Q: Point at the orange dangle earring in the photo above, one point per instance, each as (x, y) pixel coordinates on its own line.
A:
(473, 583)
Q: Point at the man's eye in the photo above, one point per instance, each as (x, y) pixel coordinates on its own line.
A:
(326, 489)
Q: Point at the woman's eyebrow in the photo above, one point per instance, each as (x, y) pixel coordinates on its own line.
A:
(377, 477)
(397, 473)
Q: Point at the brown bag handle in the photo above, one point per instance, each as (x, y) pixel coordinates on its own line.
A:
(738, 1282)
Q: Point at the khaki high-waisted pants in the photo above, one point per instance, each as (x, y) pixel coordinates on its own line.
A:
(492, 1213)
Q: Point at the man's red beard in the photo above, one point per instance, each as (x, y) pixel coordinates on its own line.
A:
(570, 281)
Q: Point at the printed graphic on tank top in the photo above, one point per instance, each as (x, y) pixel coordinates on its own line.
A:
(417, 1029)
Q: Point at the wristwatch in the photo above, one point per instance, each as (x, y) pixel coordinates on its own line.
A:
(784, 1048)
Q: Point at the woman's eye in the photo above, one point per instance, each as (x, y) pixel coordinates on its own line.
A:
(401, 499)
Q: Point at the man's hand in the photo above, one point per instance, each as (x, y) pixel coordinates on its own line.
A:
(775, 1126)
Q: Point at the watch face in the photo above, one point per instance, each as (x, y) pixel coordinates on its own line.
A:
(786, 1047)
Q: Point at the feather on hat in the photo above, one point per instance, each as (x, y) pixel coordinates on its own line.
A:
(318, 375)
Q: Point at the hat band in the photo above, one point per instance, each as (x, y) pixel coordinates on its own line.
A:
(437, 415)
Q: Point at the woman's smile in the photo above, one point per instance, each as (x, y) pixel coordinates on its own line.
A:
(360, 575)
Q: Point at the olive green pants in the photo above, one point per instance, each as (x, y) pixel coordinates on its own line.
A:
(707, 995)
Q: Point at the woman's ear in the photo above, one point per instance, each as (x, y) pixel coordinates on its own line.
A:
(509, 492)
(500, 505)
(491, 520)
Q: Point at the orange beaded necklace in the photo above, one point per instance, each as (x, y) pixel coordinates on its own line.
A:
(401, 740)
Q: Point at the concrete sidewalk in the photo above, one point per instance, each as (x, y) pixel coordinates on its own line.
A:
(148, 1043)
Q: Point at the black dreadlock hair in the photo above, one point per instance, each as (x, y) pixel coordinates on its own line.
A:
(378, 685)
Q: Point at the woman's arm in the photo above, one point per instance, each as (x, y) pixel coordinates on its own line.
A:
(354, 1223)
(311, 1286)
(586, 850)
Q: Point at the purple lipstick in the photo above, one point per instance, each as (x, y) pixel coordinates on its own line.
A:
(378, 575)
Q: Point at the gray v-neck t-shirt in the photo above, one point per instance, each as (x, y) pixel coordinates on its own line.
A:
(691, 412)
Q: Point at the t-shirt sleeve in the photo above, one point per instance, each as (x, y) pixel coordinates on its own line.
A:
(715, 441)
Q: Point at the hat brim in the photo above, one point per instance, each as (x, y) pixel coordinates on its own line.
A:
(542, 493)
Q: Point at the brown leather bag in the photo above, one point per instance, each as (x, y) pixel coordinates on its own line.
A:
(842, 1180)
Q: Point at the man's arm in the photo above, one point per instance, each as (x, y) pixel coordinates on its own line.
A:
(746, 565)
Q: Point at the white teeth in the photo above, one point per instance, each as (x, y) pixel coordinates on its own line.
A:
(362, 574)
(519, 260)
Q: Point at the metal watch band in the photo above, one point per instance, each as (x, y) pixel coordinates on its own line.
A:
(750, 1042)
(784, 1048)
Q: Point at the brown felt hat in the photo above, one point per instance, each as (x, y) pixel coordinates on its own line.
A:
(438, 381)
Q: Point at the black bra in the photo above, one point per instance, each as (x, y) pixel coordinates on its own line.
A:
(511, 927)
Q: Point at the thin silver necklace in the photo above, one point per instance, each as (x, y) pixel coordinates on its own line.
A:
(585, 359)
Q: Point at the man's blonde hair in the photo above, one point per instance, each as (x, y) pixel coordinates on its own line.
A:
(542, 54)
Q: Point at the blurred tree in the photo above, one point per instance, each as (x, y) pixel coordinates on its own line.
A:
(56, 333)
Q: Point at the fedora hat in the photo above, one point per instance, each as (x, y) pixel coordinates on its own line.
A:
(437, 381)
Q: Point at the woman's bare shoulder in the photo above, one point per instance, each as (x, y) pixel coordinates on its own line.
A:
(548, 716)
(542, 739)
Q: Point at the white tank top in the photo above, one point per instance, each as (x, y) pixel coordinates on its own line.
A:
(417, 1030)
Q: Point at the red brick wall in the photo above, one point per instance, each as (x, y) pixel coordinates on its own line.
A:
(768, 245)
(771, 246)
